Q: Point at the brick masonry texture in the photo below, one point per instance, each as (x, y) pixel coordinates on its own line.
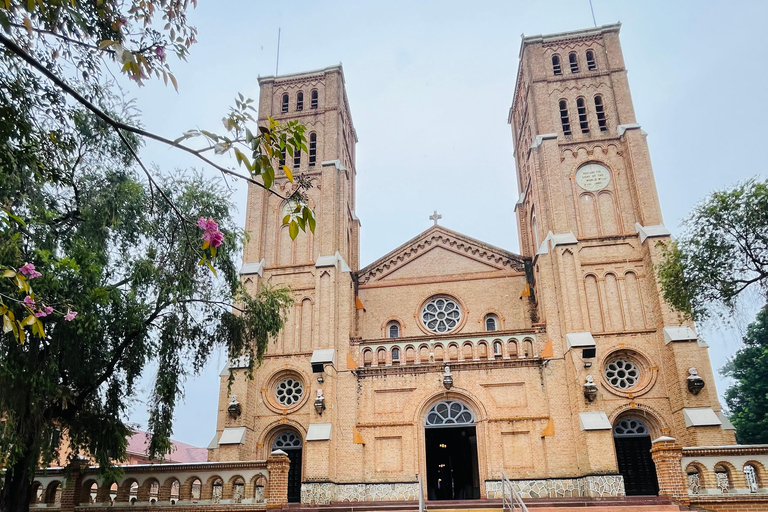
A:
(526, 395)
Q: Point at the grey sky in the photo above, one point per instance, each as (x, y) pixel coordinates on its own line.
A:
(430, 85)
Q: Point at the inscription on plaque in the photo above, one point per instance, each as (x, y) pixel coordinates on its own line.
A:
(593, 177)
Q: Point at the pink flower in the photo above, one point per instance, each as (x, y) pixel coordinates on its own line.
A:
(207, 224)
(160, 52)
(29, 301)
(123, 21)
(214, 238)
(29, 270)
(44, 312)
(70, 315)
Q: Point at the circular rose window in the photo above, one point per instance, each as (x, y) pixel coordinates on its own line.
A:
(622, 373)
(441, 314)
(289, 391)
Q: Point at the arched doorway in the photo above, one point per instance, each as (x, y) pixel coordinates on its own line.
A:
(290, 442)
(633, 453)
(451, 443)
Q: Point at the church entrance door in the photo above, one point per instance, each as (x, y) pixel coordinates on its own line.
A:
(290, 443)
(633, 453)
(451, 445)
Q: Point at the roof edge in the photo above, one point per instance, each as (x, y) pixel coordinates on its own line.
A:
(302, 74)
(542, 38)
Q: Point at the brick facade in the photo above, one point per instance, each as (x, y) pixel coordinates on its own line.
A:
(586, 267)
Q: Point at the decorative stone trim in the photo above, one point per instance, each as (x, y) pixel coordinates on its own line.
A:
(323, 493)
(587, 486)
(713, 451)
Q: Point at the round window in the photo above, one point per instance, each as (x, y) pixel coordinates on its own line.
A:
(441, 314)
(622, 373)
(289, 391)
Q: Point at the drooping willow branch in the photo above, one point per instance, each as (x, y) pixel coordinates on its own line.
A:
(118, 125)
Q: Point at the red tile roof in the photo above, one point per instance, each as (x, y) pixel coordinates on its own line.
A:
(138, 445)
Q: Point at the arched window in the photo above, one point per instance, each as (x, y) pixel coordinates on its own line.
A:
(284, 109)
(556, 68)
(535, 231)
(600, 111)
(367, 357)
(491, 323)
(238, 490)
(154, 490)
(113, 492)
(94, 492)
(497, 349)
(297, 159)
(393, 329)
(313, 99)
(591, 64)
(512, 348)
(581, 108)
(395, 355)
(449, 412)
(564, 118)
(381, 357)
(573, 60)
(312, 149)
(299, 101)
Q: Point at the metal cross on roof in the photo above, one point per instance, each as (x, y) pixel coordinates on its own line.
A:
(435, 217)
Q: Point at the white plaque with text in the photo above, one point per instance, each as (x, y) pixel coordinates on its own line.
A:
(593, 177)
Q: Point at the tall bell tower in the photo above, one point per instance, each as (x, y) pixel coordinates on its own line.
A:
(276, 408)
(589, 218)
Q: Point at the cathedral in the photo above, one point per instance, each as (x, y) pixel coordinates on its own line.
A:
(449, 365)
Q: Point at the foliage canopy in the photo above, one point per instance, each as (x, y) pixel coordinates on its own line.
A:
(722, 252)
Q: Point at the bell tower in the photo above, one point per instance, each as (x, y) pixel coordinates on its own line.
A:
(278, 405)
(590, 220)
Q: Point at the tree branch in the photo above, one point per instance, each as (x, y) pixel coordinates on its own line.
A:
(13, 47)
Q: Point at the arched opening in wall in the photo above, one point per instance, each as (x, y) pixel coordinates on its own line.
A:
(290, 442)
(632, 440)
(299, 101)
(751, 477)
(694, 479)
(113, 492)
(217, 490)
(497, 349)
(93, 492)
(393, 329)
(284, 107)
(722, 478)
(395, 355)
(482, 350)
(196, 490)
(512, 348)
(238, 490)
(259, 487)
(133, 494)
(491, 322)
(556, 67)
(154, 491)
(381, 357)
(53, 493)
(451, 443)
(38, 493)
(367, 357)
(439, 353)
(410, 355)
(175, 489)
(453, 352)
(467, 351)
(608, 223)
(535, 233)
(424, 354)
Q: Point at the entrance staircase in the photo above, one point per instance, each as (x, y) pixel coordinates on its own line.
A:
(623, 504)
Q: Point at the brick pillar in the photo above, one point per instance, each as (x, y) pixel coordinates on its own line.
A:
(277, 490)
(70, 492)
(667, 454)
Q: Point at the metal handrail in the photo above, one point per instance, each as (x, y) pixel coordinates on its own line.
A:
(510, 498)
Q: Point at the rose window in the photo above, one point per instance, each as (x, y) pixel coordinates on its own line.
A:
(441, 314)
(289, 391)
(622, 373)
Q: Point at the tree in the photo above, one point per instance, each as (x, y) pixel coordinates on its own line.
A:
(722, 252)
(747, 398)
(106, 265)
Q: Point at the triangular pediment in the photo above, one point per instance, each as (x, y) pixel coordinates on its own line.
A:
(440, 252)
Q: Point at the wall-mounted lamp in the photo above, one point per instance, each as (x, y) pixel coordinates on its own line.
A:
(447, 378)
(590, 389)
(588, 364)
(234, 408)
(320, 402)
(695, 383)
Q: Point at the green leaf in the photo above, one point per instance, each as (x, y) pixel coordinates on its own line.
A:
(288, 173)
(7, 325)
(293, 229)
(9, 273)
(286, 219)
(311, 221)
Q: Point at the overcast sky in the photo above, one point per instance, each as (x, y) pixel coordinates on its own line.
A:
(430, 85)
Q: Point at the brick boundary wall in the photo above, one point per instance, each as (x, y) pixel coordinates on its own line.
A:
(667, 454)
